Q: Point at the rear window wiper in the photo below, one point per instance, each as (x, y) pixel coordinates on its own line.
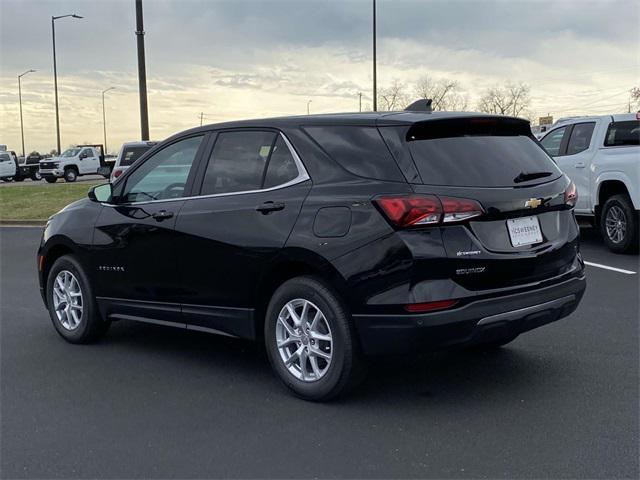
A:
(525, 177)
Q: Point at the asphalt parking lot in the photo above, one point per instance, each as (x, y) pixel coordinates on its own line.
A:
(155, 402)
(29, 182)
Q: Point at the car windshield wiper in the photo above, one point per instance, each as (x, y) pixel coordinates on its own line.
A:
(525, 177)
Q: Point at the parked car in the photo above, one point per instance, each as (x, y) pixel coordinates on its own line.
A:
(7, 166)
(128, 154)
(601, 154)
(328, 237)
(74, 162)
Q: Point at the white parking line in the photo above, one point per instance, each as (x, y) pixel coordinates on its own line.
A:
(607, 267)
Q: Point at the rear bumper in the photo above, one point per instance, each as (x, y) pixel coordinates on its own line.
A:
(475, 322)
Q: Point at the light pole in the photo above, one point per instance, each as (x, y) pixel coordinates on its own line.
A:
(55, 71)
(308, 103)
(142, 73)
(20, 101)
(360, 101)
(104, 119)
(375, 79)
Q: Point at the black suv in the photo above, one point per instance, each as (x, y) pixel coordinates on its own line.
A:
(328, 237)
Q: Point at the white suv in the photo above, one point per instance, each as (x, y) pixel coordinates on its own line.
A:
(128, 154)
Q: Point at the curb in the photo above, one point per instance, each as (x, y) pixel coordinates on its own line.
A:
(22, 223)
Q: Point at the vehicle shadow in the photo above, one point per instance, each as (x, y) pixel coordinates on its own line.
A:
(463, 376)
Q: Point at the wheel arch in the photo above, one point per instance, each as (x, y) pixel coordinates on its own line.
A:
(291, 263)
(56, 248)
(614, 183)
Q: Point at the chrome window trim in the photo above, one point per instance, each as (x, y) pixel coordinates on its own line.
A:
(303, 176)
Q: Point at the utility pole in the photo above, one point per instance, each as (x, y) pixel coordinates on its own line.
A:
(55, 72)
(142, 73)
(360, 101)
(20, 100)
(201, 117)
(375, 79)
(308, 103)
(104, 120)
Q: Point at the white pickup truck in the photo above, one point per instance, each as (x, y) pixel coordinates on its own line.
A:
(601, 154)
(75, 161)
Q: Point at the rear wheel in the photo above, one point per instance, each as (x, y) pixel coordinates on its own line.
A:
(70, 175)
(310, 341)
(7, 179)
(36, 177)
(72, 306)
(51, 179)
(619, 224)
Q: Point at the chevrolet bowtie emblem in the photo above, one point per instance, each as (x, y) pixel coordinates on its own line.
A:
(533, 203)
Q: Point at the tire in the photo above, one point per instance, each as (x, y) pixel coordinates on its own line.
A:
(90, 326)
(51, 179)
(70, 175)
(7, 179)
(36, 177)
(18, 179)
(619, 224)
(323, 379)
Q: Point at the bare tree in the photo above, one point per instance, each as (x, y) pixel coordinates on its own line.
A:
(510, 99)
(635, 95)
(393, 97)
(445, 94)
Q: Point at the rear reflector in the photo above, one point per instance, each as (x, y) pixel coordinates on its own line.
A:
(429, 306)
(418, 210)
(571, 195)
(40, 263)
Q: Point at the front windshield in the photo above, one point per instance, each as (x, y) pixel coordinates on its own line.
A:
(72, 152)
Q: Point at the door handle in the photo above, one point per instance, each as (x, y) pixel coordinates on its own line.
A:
(268, 207)
(162, 215)
(579, 165)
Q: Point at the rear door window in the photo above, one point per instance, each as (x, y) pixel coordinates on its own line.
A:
(580, 138)
(623, 133)
(463, 153)
(131, 154)
(359, 150)
(552, 141)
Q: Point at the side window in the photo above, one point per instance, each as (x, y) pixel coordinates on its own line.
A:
(623, 133)
(552, 141)
(281, 167)
(237, 162)
(164, 175)
(86, 153)
(580, 138)
(359, 150)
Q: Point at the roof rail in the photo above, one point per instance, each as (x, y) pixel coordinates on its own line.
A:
(422, 105)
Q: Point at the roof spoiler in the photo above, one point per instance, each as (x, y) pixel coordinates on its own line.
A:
(422, 105)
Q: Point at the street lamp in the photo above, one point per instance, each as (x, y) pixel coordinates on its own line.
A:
(20, 101)
(375, 70)
(308, 103)
(55, 72)
(104, 119)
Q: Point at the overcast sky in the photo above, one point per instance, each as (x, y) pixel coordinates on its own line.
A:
(240, 59)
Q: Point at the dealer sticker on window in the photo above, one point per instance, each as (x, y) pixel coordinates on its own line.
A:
(524, 231)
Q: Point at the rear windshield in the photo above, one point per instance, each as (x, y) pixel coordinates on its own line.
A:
(131, 154)
(623, 133)
(464, 154)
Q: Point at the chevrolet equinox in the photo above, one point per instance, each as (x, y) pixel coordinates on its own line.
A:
(327, 237)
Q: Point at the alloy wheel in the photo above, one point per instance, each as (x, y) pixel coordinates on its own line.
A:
(304, 340)
(67, 300)
(616, 224)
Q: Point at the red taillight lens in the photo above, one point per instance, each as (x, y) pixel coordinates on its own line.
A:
(416, 210)
(117, 173)
(459, 209)
(405, 211)
(429, 306)
(571, 195)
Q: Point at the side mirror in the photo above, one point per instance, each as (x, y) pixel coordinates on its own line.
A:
(100, 193)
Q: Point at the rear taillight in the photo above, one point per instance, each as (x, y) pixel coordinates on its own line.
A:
(419, 210)
(571, 195)
(430, 306)
(117, 173)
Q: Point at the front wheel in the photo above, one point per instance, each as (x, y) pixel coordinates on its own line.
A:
(36, 177)
(619, 224)
(70, 175)
(310, 341)
(72, 306)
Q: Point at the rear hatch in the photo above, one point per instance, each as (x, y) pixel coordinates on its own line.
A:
(524, 230)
